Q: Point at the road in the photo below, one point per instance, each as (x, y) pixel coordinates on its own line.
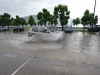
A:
(18, 58)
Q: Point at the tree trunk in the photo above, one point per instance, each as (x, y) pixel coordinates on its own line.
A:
(62, 28)
(84, 28)
(8, 27)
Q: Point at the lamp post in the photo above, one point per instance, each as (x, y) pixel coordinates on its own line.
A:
(94, 9)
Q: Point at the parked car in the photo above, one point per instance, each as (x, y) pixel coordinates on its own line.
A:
(68, 29)
(44, 33)
(95, 28)
(52, 28)
(3, 28)
(18, 28)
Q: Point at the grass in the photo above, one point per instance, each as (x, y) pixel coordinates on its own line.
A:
(74, 29)
(27, 28)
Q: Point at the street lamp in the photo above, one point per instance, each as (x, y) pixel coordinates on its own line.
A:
(94, 9)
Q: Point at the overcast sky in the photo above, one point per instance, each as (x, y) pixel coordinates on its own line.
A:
(32, 7)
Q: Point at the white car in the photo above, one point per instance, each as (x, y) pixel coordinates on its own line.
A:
(44, 33)
(68, 29)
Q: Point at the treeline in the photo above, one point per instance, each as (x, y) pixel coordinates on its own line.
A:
(7, 20)
(60, 12)
(87, 19)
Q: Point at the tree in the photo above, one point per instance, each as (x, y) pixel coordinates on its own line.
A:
(61, 12)
(6, 19)
(12, 21)
(31, 21)
(46, 15)
(17, 20)
(95, 20)
(43, 16)
(23, 22)
(76, 21)
(1, 20)
(40, 22)
(53, 20)
(39, 16)
(85, 19)
(89, 19)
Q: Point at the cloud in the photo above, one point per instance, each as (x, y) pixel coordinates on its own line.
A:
(32, 7)
(28, 7)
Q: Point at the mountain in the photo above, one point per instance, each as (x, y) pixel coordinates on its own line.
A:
(34, 16)
(58, 25)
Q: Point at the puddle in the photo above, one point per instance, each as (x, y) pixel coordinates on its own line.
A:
(77, 46)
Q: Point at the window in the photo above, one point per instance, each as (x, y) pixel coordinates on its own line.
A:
(35, 29)
(98, 26)
(42, 30)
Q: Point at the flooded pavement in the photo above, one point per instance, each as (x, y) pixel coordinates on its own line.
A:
(77, 48)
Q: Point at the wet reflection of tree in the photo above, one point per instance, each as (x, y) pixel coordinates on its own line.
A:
(73, 41)
(84, 43)
(90, 44)
(94, 44)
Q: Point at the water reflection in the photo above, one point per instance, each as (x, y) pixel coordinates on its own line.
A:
(74, 42)
(83, 42)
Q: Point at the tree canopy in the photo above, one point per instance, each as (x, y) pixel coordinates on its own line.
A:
(89, 19)
(31, 21)
(5, 19)
(76, 21)
(43, 17)
(62, 12)
(53, 19)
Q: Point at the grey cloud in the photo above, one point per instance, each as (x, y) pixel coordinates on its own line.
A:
(14, 6)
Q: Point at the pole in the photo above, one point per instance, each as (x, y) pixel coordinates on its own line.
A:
(94, 10)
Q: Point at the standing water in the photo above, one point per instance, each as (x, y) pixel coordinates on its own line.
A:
(77, 47)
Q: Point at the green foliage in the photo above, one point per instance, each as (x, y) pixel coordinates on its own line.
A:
(89, 19)
(5, 19)
(76, 21)
(43, 17)
(22, 21)
(1, 20)
(61, 12)
(53, 20)
(31, 21)
(17, 20)
(39, 15)
(95, 20)
(40, 22)
(86, 18)
(12, 21)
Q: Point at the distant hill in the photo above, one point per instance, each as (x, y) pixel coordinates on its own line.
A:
(36, 20)
(34, 16)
